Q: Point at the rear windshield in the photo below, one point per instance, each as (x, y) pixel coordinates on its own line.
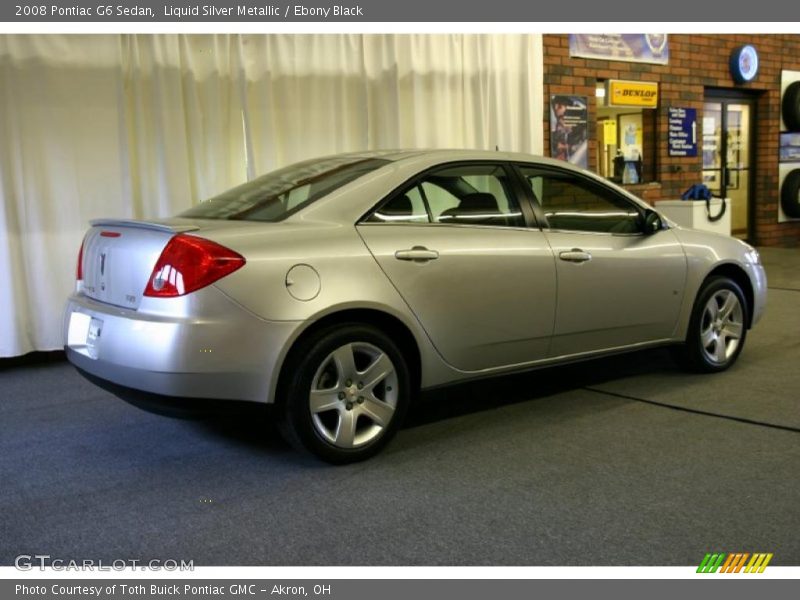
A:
(276, 195)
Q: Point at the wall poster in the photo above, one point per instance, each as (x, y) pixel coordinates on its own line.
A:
(631, 138)
(569, 130)
(682, 131)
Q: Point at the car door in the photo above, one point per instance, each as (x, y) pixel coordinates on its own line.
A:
(456, 244)
(617, 286)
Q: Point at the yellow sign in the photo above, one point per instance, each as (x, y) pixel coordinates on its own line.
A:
(643, 94)
(610, 132)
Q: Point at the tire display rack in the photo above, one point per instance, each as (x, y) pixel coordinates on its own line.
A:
(790, 171)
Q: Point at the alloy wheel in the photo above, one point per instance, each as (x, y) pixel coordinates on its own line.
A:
(353, 395)
(721, 327)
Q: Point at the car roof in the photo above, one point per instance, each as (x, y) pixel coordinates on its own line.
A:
(445, 154)
(456, 154)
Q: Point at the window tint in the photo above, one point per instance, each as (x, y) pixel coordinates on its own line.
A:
(571, 203)
(408, 207)
(472, 195)
(439, 199)
(460, 195)
(274, 196)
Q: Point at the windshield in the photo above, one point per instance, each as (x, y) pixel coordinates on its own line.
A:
(275, 196)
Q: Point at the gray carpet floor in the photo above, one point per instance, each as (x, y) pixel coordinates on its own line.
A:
(563, 466)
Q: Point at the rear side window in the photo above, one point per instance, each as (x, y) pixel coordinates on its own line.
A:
(408, 207)
(276, 195)
(457, 195)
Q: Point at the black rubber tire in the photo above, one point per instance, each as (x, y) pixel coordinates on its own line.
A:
(295, 421)
(790, 107)
(690, 354)
(790, 194)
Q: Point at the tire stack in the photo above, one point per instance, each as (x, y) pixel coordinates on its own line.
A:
(790, 190)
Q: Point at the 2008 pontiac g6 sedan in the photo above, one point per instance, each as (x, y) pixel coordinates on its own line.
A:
(337, 288)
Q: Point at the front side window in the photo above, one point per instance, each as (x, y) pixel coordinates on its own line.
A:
(276, 195)
(574, 204)
(457, 195)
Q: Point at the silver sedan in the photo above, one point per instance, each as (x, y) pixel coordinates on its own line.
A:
(337, 288)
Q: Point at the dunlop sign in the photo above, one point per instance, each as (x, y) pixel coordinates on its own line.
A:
(642, 94)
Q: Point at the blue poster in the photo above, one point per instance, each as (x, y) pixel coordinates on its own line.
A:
(632, 47)
(790, 147)
(682, 131)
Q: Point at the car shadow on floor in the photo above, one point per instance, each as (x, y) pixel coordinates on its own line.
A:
(496, 392)
(255, 425)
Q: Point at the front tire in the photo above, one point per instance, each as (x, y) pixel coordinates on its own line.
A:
(717, 329)
(346, 391)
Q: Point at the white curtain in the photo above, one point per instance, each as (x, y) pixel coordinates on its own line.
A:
(145, 126)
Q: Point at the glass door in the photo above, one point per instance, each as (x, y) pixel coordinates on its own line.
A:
(727, 157)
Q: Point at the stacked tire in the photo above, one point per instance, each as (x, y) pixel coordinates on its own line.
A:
(790, 190)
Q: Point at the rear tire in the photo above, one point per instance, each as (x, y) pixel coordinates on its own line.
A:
(717, 329)
(344, 394)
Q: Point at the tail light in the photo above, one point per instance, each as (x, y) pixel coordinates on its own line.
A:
(79, 267)
(189, 263)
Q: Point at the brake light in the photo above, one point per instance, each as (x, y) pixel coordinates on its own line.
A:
(189, 263)
(79, 267)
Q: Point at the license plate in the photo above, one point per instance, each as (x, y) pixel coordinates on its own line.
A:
(92, 337)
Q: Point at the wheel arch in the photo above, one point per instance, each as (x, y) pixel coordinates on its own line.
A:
(741, 278)
(391, 325)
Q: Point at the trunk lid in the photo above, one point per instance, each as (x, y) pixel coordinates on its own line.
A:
(119, 255)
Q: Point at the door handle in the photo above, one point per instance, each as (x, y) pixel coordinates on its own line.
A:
(417, 254)
(576, 255)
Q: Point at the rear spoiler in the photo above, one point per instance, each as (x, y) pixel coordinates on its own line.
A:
(143, 225)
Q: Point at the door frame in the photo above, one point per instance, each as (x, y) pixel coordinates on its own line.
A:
(727, 96)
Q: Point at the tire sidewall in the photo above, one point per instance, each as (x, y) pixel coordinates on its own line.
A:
(790, 202)
(696, 353)
(790, 106)
(302, 368)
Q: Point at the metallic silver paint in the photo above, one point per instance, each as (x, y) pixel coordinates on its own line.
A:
(630, 291)
(489, 298)
(706, 252)
(477, 300)
(200, 345)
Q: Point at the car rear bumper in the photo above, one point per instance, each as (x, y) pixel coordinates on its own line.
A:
(230, 386)
(221, 351)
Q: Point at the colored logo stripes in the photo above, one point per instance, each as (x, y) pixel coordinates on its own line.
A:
(735, 562)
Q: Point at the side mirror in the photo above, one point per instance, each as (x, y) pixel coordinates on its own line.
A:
(652, 222)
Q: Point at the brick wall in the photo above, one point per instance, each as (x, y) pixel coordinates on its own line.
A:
(696, 62)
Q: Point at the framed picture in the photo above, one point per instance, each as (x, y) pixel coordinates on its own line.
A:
(790, 147)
